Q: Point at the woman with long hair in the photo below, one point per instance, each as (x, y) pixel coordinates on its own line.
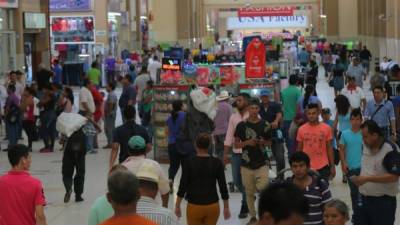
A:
(338, 77)
(66, 101)
(310, 96)
(175, 123)
(342, 121)
(199, 184)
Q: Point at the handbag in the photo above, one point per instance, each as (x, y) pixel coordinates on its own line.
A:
(331, 83)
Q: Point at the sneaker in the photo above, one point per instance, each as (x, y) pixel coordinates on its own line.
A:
(79, 198)
(244, 210)
(93, 152)
(67, 196)
(46, 150)
(253, 220)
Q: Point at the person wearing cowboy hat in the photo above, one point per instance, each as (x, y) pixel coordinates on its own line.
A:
(221, 122)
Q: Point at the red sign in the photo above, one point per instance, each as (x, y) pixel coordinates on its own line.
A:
(266, 11)
(256, 86)
(171, 87)
(255, 59)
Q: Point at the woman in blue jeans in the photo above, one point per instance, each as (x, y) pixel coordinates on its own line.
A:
(48, 119)
(175, 122)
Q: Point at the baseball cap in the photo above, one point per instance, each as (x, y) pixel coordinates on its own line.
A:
(148, 171)
(265, 92)
(136, 143)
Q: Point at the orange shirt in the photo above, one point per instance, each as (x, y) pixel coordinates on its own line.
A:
(315, 139)
(126, 220)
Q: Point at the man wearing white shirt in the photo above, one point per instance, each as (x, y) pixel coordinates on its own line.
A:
(355, 94)
(86, 102)
(153, 67)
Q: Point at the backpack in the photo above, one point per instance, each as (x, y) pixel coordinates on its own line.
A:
(76, 143)
(391, 161)
(14, 114)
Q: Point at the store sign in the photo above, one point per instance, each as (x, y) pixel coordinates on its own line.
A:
(255, 59)
(171, 64)
(285, 36)
(234, 23)
(69, 5)
(8, 3)
(266, 11)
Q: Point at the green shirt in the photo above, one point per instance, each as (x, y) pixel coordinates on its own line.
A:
(290, 96)
(94, 76)
(147, 92)
(101, 210)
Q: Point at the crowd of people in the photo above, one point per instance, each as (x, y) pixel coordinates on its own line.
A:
(361, 137)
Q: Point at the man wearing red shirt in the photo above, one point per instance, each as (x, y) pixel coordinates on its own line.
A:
(21, 193)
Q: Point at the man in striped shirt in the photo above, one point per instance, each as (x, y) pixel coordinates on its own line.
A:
(315, 189)
(147, 206)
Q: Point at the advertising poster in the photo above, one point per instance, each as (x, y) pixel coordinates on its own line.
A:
(207, 75)
(229, 75)
(255, 59)
(69, 5)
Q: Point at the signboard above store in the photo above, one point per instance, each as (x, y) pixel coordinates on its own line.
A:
(8, 3)
(70, 5)
(266, 11)
(235, 23)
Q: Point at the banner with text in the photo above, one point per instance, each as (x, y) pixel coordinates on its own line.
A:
(266, 11)
(234, 23)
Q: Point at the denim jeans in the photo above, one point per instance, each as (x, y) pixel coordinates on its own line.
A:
(355, 195)
(219, 146)
(12, 130)
(109, 125)
(290, 144)
(279, 153)
(236, 161)
(90, 142)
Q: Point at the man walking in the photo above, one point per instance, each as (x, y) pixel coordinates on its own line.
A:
(242, 102)
(123, 195)
(379, 178)
(110, 113)
(137, 159)
(123, 133)
(315, 189)
(354, 93)
(290, 96)
(153, 67)
(382, 112)
(366, 57)
(221, 122)
(315, 139)
(128, 95)
(21, 194)
(357, 71)
(350, 150)
(86, 102)
(272, 113)
(253, 135)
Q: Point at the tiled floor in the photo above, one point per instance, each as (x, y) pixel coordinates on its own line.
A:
(47, 167)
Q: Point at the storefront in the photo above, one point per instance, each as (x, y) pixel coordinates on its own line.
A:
(78, 36)
(7, 37)
(267, 21)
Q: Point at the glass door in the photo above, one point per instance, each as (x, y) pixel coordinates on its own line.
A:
(7, 52)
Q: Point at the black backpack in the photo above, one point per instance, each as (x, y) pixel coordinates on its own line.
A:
(76, 143)
(13, 115)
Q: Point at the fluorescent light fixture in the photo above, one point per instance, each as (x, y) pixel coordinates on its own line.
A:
(143, 17)
(322, 16)
(114, 14)
(172, 92)
(83, 55)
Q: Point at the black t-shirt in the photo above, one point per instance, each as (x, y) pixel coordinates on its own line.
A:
(43, 78)
(123, 133)
(365, 54)
(199, 181)
(253, 157)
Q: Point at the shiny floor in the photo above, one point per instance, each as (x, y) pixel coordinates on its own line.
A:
(47, 167)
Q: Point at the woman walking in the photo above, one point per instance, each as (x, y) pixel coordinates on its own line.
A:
(338, 77)
(175, 122)
(198, 183)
